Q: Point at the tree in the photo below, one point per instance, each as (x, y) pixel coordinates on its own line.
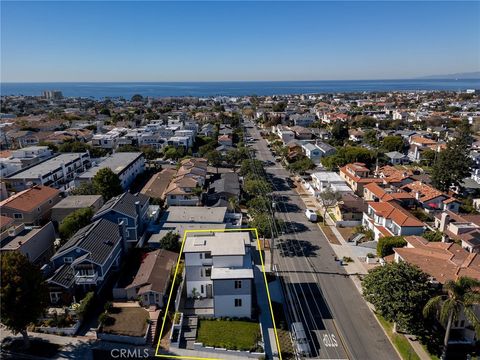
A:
(258, 204)
(460, 296)
(392, 143)
(399, 291)
(23, 293)
(74, 222)
(265, 225)
(256, 187)
(85, 188)
(386, 245)
(428, 157)
(137, 97)
(339, 133)
(174, 153)
(252, 166)
(328, 198)
(107, 183)
(453, 164)
(170, 242)
(301, 166)
(149, 152)
(214, 158)
(127, 148)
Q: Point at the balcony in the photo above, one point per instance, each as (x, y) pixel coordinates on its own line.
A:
(86, 279)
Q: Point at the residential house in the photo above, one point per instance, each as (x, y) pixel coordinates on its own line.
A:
(304, 120)
(72, 203)
(228, 186)
(36, 243)
(132, 211)
(430, 198)
(158, 183)
(356, 135)
(187, 184)
(396, 158)
(150, 283)
(443, 262)
(180, 218)
(328, 179)
(218, 266)
(225, 140)
(31, 206)
(127, 165)
(389, 218)
(85, 261)
(357, 176)
(349, 210)
(301, 133)
(284, 133)
(463, 228)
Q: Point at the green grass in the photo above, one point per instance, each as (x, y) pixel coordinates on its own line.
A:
(400, 341)
(230, 334)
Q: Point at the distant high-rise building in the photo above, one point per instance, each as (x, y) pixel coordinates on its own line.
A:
(52, 95)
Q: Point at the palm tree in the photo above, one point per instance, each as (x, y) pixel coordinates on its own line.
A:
(459, 297)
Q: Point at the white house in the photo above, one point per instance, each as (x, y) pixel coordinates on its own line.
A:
(218, 265)
(324, 179)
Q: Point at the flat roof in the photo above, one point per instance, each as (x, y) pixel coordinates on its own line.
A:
(194, 214)
(117, 162)
(46, 166)
(218, 243)
(80, 201)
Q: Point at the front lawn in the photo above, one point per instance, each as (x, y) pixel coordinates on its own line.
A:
(229, 334)
(129, 321)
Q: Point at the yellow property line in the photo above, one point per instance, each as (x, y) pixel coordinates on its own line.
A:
(175, 278)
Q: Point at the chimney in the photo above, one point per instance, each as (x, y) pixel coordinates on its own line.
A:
(123, 234)
(139, 217)
(417, 195)
(443, 222)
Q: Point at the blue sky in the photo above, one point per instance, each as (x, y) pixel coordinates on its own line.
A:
(221, 41)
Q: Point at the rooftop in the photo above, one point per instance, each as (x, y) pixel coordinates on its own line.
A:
(27, 200)
(117, 162)
(77, 201)
(218, 243)
(47, 166)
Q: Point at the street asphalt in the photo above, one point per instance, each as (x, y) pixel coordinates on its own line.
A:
(319, 292)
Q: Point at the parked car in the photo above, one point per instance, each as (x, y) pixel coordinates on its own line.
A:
(300, 337)
(311, 215)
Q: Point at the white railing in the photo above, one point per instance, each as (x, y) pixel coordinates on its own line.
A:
(86, 279)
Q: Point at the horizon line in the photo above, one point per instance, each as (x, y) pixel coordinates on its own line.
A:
(428, 77)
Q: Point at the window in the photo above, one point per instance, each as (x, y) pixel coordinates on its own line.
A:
(208, 272)
(238, 284)
(68, 260)
(201, 272)
(49, 201)
(202, 289)
(201, 255)
(18, 216)
(208, 255)
(238, 302)
(55, 297)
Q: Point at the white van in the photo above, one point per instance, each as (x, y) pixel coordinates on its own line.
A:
(300, 338)
(311, 215)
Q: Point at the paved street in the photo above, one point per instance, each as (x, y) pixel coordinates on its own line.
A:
(320, 293)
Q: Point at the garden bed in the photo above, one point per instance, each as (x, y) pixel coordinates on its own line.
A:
(229, 334)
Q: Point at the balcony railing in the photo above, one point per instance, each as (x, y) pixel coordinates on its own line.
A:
(86, 279)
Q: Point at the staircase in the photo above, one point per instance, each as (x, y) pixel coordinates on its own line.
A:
(154, 315)
(189, 332)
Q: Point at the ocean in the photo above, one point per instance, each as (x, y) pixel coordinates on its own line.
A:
(99, 90)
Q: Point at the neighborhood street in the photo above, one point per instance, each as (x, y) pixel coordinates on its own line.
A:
(319, 292)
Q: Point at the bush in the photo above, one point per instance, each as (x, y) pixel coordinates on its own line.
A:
(370, 255)
(86, 305)
(105, 320)
(108, 306)
(386, 245)
(347, 259)
(434, 236)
